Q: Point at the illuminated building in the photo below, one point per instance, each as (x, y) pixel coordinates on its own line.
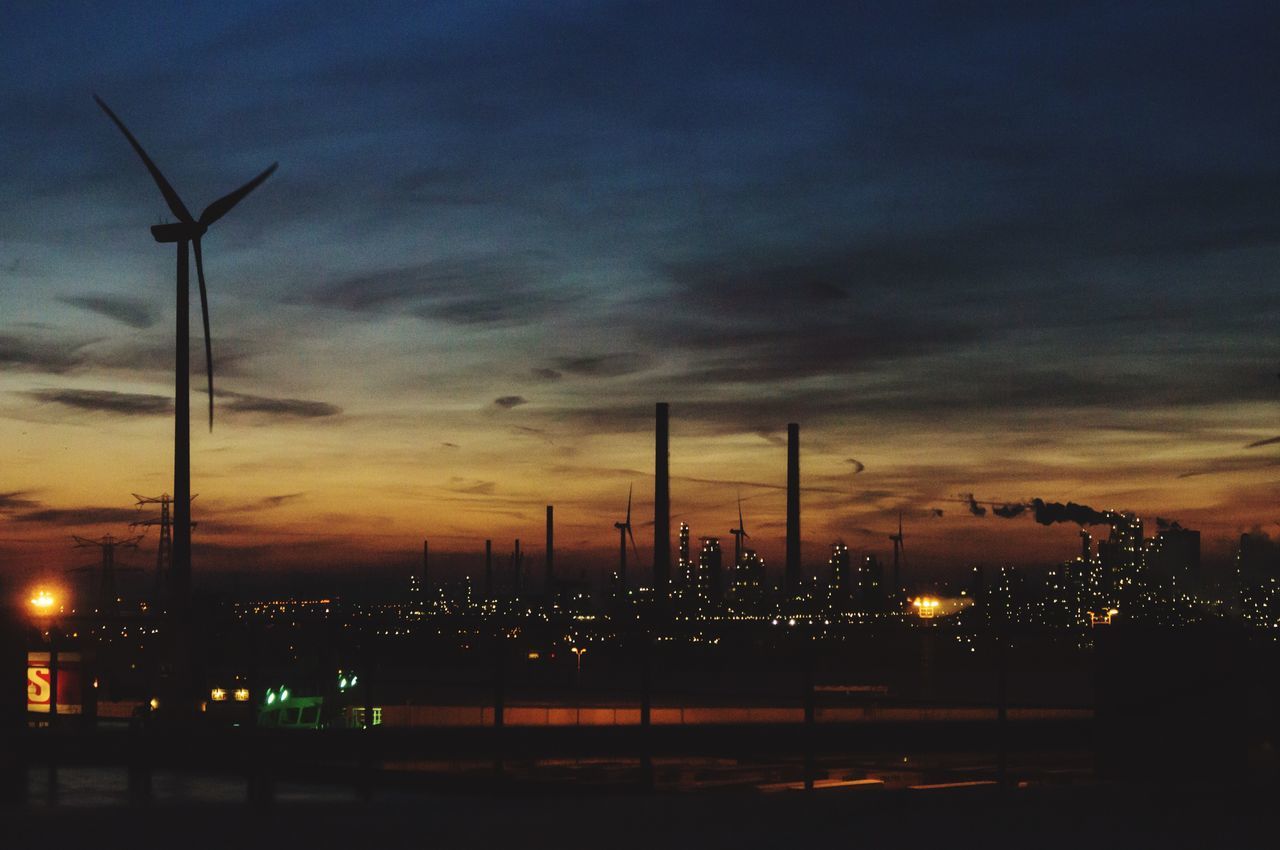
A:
(1258, 571)
(869, 592)
(685, 574)
(709, 585)
(746, 589)
(840, 581)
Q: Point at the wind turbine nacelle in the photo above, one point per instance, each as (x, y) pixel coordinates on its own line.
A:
(177, 231)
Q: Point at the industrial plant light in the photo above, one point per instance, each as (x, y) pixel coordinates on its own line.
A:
(218, 695)
(241, 694)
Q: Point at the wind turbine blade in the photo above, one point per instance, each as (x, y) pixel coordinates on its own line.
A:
(204, 314)
(741, 527)
(223, 205)
(629, 489)
(170, 196)
(633, 542)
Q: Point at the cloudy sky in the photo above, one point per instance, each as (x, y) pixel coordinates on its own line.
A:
(1003, 250)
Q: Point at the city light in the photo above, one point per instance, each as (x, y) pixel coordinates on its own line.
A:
(241, 694)
(926, 606)
(218, 694)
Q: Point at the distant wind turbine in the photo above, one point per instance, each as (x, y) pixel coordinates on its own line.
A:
(899, 555)
(186, 230)
(738, 534)
(624, 531)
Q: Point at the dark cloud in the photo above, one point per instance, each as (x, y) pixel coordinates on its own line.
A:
(1270, 441)
(1168, 524)
(935, 512)
(547, 374)
(1009, 511)
(974, 508)
(480, 291)
(16, 500)
(448, 445)
(37, 356)
(858, 466)
(89, 515)
(507, 402)
(106, 401)
(604, 365)
(277, 501)
(130, 311)
(277, 408)
(1228, 465)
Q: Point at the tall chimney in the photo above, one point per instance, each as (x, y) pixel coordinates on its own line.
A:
(661, 508)
(488, 569)
(551, 525)
(518, 562)
(793, 508)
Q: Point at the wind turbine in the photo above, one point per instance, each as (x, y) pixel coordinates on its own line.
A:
(738, 534)
(624, 531)
(186, 231)
(899, 555)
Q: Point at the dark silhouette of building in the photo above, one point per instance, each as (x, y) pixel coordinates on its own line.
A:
(1173, 559)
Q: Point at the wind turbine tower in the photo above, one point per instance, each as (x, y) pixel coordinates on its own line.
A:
(186, 234)
(624, 531)
(739, 534)
(898, 556)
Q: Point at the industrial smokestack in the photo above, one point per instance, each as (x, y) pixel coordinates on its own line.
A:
(488, 569)
(550, 548)
(793, 508)
(661, 507)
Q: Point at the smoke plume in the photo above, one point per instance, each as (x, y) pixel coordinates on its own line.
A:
(1047, 513)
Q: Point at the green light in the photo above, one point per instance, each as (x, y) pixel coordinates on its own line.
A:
(342, 684)
(353, 681)
(270, 698)
(284, 694)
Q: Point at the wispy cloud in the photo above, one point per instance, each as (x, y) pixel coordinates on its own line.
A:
(37, 356)
(105, 401)
(16, 500)
(86, 515)
(130, 311)
(277, 408)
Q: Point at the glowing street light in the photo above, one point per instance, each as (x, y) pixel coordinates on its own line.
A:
(43, 602)
(579, 651)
